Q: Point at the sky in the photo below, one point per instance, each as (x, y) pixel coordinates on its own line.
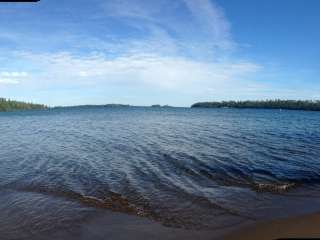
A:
(144, 52)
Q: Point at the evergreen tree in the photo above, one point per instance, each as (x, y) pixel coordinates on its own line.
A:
(266, 104)
(10, 105)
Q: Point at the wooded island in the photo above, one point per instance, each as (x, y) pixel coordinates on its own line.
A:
(309, 105)
(7, 105)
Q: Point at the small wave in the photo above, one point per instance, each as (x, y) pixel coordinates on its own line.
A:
(112, 201)
(275, 188)
(116, 202)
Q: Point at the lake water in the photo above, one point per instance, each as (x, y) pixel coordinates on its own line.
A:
(183, 168)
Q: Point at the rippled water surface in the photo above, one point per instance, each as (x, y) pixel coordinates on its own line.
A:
(189, 168)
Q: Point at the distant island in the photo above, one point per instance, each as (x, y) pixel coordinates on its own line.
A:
(308, 105)
(7, 105)
(111, 105)
(116, 105)
(159, 106)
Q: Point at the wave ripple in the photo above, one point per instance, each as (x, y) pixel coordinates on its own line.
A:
(192, 168)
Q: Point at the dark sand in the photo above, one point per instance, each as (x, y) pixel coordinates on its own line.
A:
(307, 226)
(119, 226)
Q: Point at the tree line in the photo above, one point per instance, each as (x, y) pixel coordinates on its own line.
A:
(11, 105)
(311, 105)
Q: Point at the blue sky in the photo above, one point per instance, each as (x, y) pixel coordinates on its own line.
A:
(145, 52)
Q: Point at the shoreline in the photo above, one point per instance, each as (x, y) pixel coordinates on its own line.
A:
(304, 226)
(120, 226)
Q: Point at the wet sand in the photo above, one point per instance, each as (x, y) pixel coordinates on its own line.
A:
(307, 226)
(119, 226)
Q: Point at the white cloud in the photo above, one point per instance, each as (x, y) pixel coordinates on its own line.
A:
(212, 21)
(7, 77)
(177, 47)
(189, 27)
(13, 74)
(171, 53)
(174, 73)
(8, 81)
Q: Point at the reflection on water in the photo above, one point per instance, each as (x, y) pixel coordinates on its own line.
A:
(190, 168)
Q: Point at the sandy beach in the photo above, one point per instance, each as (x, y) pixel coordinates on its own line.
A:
(307, 226)
(119, 226)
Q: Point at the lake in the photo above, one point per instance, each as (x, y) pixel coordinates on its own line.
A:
(193, 169)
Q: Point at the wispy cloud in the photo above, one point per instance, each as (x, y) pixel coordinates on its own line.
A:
(180, 47)
(212, 21)
(144, 69)
(197, 28)
(13, 74)
(12, 77)
(8, 81)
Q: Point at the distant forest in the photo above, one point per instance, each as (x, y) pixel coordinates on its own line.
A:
(10, 105)
(266, 104)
